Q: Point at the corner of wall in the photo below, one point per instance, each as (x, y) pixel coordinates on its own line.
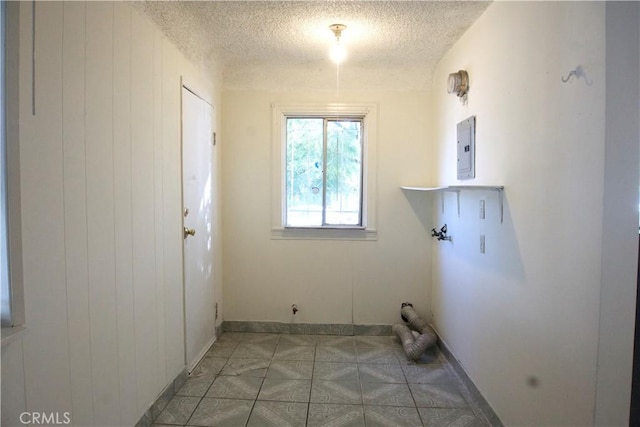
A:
(620, 201)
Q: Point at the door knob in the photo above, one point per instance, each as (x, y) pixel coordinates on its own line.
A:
(189, 232)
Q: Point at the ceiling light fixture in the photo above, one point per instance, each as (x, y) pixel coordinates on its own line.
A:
(338, 53)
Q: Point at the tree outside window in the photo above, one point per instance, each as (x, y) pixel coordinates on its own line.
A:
(324, 171)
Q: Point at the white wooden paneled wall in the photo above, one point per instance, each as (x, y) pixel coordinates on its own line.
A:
(101, 204)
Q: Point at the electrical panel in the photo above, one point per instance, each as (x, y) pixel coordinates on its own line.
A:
(467, 148)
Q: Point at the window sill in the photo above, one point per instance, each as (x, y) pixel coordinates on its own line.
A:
(11, 334)
(324, 234)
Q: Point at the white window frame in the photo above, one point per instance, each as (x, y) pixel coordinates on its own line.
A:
(366, 231)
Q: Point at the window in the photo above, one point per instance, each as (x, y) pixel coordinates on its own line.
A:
(323, 172)
(323, 182)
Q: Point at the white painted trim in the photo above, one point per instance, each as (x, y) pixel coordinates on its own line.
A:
(195, 93)
(619, 262)
(198, 88)
(11, 334)
(324, 234)
(201, 355)
(15, 20)
(369, 187)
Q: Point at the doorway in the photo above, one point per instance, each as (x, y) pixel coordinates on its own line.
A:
(198, 221)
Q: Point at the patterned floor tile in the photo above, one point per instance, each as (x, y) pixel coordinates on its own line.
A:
(196, 386)
(348, 371)
(446, 417)
(283, 390)
(382, 373)
(221, 349)
(209, 366)
(336, 392)
(376, 355)
(228, 337)
(290, 369)
(178, 410)
(295, 339)
(343, 353)
(221, 413)
(376, 341)
(323, 415)
(330, 371)
(259, 338)
(428, 357)
(386, 394)
(437, 396)
(391, 416)
(427, 374)
(335, 340)
(294, 352)
(278, 414)
(253, 351)
(235, 387)
(246, 367)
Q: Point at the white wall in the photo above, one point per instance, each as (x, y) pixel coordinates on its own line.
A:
(101, 214)
(361, 282)
(524, 318)
(620, 216)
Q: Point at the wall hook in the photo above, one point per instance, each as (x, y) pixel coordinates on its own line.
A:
(573, 73)
(577, 73)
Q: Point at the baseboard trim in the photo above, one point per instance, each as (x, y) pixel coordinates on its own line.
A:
(306, 328)
(161, 402)
(478, 403)
(202, 354)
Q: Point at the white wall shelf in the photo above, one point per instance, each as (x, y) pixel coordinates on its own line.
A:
(459, 188)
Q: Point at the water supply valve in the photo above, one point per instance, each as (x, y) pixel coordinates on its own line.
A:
(442, 234)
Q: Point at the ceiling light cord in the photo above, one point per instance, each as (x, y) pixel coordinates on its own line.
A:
(338, 53)
(338, 80)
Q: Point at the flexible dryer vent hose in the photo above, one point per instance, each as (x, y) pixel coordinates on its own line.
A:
(414, 347)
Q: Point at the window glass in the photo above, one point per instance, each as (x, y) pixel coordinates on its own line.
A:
(323, 181)
(344, 173)
(304, 176)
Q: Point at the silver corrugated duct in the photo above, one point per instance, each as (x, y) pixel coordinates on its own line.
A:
(414, 347)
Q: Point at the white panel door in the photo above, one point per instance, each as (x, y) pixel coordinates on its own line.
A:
(198, 209)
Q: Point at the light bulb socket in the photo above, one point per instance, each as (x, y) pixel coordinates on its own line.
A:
(337, 29)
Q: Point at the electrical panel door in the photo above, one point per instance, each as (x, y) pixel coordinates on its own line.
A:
(467, 148)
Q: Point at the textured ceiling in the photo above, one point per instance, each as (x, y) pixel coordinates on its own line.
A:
(283, 45)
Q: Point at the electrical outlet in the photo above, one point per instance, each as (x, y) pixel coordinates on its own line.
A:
(216, 311)
(481, 209)
(482, 243)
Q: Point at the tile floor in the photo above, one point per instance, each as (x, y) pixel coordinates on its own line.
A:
(250, 379)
